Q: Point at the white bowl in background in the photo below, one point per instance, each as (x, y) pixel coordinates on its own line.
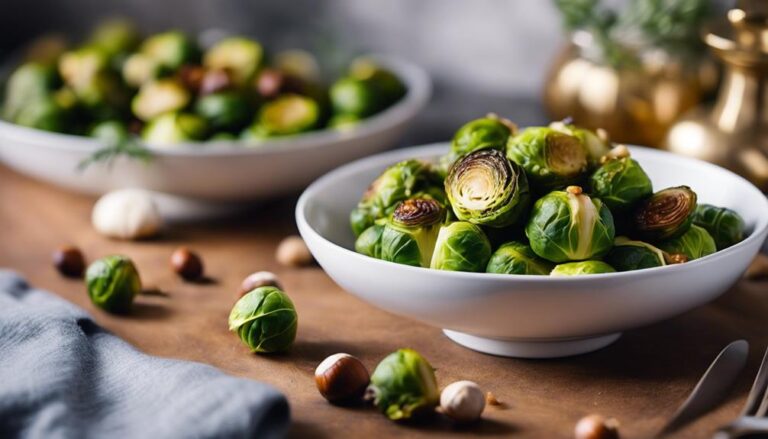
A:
(525, 315)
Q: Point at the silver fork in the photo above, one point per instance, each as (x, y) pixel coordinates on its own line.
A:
(752, 420)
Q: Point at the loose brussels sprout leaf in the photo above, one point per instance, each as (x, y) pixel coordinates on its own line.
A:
(725, 225)
(113, 282)
(694, 244)
(171, 128)
(265, 320)
(570, 226)
(224, 110)
(628, 255)
(621, 184)
(665, 215)
(550, 158)
(159, 97)
(288, 114)
(461, 246)
(487, 189)
(517, 258)
(390, 87)
(111, 132)
(29, 82)
(488, 132)
(356, 97)
(170, 49)
(369, 242)
(596, 144)
(139, 68)
(241, 56)
(115, 37)
(404, 385)
(583, 267)
(409, 236)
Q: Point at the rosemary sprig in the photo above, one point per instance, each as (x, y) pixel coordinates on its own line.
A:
(127, 147)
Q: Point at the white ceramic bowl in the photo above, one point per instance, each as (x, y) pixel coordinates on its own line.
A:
(199, 179)
(531, 316)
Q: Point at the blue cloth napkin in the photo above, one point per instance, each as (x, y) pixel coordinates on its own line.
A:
(63, 376)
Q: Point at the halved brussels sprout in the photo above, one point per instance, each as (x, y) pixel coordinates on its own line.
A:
(488, 132)
(369, 242)
(171, 128)
(159, 97)
(725, 225)
(621, 183)
(170, 49)
(403, 385)
(390, 87)
(551, 159)
(628, 255)
(355, 96)
(461, 246)
(288, 114)
(583, 267)
(409, 236)
(140, 68)
(224, 110)
(694, 244)
(265, 319)
(29, 82)
(240, 56)
(79, 67)
(113, 283)
(665, 215)
(485, 188)
(570, 226)
(115, 37)
(515, 257)
(112, 132)
(596, 144)
(44, 114)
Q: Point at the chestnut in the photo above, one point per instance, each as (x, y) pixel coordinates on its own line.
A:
(187, 264)
(341, 378)
(596, 427)
(69, 261)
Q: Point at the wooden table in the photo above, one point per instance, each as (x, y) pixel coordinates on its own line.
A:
(639, 380)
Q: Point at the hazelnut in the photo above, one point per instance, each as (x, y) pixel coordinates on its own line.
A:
(491, 399)
(127, 214)
(597, 427)
(341, 377)
(69, 261)
(462, 401)
(187, 264)
(293, 252)
(258, 279)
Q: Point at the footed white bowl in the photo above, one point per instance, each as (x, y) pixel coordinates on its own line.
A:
(531, 316)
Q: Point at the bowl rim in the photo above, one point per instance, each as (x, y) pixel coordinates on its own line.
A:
(758, 233)
(419, 91)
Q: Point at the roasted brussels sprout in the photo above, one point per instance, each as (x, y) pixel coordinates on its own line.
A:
(113, 283)
(665, 215)
(570, 226)
(355, 96)
(484, 133)
(724, 225)
(404, 385)
(87, 72)
(265, 320)
(159, 97)
(43, 114)
(30, 82)
(115, 37)
(389, 86)
(621, 183)
(344, 121)
(596, 144)
(694, 244)
(515, 257)
(113, 132)
(224, 110)
(551, 159)
(170, 49)
(140, 68)
(171, 128)
(628, 255)
(583, 267)
(485, 188)
(369, 242)
(286, 115)
(461, 246)
(240, 56)
(410, 234)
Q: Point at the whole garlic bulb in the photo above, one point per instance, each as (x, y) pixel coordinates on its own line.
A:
(126, 214)
(462, 401)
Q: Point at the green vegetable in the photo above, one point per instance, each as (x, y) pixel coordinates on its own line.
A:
(515, 257)
(265, 320)
(344, 121)
(240, 56)
(694, 244)
(390, 87)
(665, 215)
(369, 242)
(115, 37)
(404, 385)
(113, 282)
(410, 234)
(570, 226)
(355, 97)
(461, 246)
(725, 225)
(170, 49)
(551, 159)
(583, 267)
(159, 97)
(171, 128)
(288, 114)
(224, 110)
(484, 133)
(43, 114)
(621, 183)
(110, 131)
(595, 145)
(140, 68)
(628, 255)
(30, 82)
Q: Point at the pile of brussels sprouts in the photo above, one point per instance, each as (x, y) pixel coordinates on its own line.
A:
(555, 200)
(167, 89)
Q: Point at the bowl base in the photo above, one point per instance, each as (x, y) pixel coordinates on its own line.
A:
(531, 349)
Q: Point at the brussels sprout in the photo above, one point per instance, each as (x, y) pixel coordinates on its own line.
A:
(570, 226)
(369, 242)
(139, 68)
(694, 244)
(621, 183)
(596, 144)
(410, 234)
(298, 63)
(265, 320)
(112, 132)
(628, 255)
(725, 225)
(487, 189)
(240, 56)
(517, 258)
(550, 158)
(288, 114)
(29, 82)
(80, 67)
(389, 86)
(171, 128)
(356, 97)
(461, 246)
(170, 49)
(665, 215)
(113, 283)
(487, 132)
(115, 37)
(43, 114)
(583, 267)
(159, 97)
(344, 121)
(404, 385)
(223, 136)
(224, 110)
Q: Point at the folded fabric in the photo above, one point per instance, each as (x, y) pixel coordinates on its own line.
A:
(63, 376)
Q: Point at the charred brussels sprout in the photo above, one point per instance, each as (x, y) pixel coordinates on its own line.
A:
(628, 255)
(517, 258)
(265, 320)
(694, 244)
(30, 82)
(240, 56)
(551, 159)
(410, 234)
(570, 226)
(369, 242)
(404, 385)
(173, 128)
(224, 110)
(596, 144)
(286, 115)
(724, 225)
(583, 267)
(461, 246)
(355, 96)
(621, 183)
(159, 97)
(485, 188)
(113, 283)
(170, 49)
(665, 215)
